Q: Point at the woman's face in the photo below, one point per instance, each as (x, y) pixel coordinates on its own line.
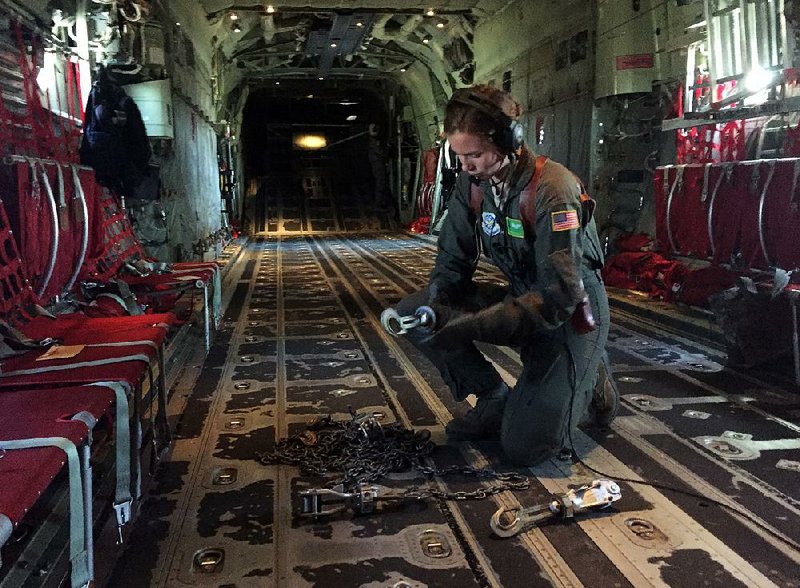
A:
(479, 157)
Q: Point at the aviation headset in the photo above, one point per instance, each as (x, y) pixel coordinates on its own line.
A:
(507, 133)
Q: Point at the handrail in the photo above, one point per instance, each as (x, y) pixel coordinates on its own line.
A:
(761, 237)
(80, 195)
(12, 159)
(51, 264)
(677, 183)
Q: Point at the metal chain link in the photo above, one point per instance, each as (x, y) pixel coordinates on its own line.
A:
(364, 451)
(507, 481)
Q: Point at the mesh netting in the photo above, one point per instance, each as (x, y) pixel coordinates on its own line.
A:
(112, 241)
(15, 291)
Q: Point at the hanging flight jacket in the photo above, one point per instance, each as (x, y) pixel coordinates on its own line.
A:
(114, 139)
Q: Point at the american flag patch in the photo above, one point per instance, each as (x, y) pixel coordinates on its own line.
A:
(564, 220)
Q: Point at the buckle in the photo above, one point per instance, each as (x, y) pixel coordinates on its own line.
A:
(122, 510)
(318, 502)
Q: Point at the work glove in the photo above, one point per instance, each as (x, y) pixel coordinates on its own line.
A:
(443, 313)
(441, 302)
(504, 323)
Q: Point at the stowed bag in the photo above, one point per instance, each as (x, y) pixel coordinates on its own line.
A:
(112, 298)
(755, 322)
(14, 342)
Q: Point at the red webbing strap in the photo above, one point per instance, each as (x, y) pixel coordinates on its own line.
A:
(34, 228)
(701, 83)
(40, 120)
(72, 133)
(732, 141)
(59, 147)
(527, 199)
(80, 91)
(791, 142)
(70, 88)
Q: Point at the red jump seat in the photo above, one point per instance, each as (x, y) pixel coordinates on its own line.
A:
(41, 431)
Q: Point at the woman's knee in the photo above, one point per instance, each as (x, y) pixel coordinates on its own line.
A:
(526, 454)
(530, 446)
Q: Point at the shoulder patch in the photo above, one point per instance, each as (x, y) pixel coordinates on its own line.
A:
(564, 220)
(515, 228)
(490, 224)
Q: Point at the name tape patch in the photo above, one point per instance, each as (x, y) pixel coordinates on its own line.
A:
(564, 220)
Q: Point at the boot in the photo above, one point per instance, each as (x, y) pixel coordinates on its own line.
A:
(483, 420)
(605, 397)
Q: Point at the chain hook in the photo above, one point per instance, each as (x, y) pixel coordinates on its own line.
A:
(396, 324)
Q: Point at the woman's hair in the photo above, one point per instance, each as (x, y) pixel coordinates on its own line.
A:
(479, 110)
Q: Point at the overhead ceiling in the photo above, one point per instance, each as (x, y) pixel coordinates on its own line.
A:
(295, 39)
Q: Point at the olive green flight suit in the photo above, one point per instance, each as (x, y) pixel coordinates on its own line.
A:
(549, 273)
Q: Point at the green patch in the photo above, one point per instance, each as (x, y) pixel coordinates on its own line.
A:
(514, 228)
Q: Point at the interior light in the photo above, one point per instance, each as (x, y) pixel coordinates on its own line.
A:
(359, 24)
(310, 141)
(321, 78)
(430, 12)
(177, 24)
(46, 78)
(402, 69)
(270, 9)
(277, 83)
(352, 117)
(310, 96)
(757, 98)
(426, 40)
(439, 25)
(333, 45)
(758, 79)
(237, 29)
(234, 16)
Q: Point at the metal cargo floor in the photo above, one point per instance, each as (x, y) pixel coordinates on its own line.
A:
(302, 338)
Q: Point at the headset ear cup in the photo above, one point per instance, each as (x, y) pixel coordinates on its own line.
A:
(517, 136)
